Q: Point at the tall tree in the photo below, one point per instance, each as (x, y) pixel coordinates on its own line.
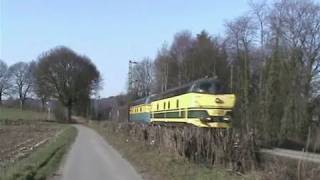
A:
(299, 29)
(260, 12)
(207, 59)
(179, 50)
(165, 70)
(4, 80)
(40, 89)
(240, 36)
(71, 77)
(22, 79)
(142, 78)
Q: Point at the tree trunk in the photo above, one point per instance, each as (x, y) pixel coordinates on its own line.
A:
(43, 103)
(21, 104)
(69, 112)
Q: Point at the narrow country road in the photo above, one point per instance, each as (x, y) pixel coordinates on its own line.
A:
(304, 156)
(92, 158)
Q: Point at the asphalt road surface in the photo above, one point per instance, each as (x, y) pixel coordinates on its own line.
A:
(92, 158)
(304, 156)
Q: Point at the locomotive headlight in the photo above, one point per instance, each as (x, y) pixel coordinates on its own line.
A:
(226, 118)
(207, 118)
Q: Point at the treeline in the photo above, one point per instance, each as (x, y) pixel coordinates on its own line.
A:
(60, 78)
(270, 58)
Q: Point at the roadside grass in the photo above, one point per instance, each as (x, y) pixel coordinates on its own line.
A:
(155, 165)
(44, 161)
(277, 167)
(16, 114)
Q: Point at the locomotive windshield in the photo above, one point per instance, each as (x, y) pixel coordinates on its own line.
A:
(207, 86)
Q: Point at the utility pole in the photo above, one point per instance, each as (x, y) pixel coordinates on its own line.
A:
(49, 109)
(129, 88)
(131, 63)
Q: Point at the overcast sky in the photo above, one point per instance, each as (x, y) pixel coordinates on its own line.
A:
(109, 32)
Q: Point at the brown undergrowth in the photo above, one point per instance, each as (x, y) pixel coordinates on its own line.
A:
(182, 153)
(197, 153)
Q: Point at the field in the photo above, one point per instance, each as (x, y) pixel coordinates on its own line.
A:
(18, 140)
(29, 144)
(16, 114)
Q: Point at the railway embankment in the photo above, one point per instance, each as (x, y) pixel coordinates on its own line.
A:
(159, 152)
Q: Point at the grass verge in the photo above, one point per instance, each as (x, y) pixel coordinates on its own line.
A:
(155, 165)
(44, 161)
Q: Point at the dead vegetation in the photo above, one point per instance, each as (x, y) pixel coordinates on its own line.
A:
(157, 156)
(211, 147)
(275, 167)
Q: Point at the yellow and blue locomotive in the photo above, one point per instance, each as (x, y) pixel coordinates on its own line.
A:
(202, 103)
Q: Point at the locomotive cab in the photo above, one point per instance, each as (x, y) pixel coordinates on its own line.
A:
(210, 102)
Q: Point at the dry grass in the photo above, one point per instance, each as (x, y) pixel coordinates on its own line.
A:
(275, 167)
(179, 153)
(143, 150)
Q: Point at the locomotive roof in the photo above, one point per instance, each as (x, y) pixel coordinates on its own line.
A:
(174, 91)
(183, 89)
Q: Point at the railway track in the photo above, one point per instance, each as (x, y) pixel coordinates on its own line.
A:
(299, 155)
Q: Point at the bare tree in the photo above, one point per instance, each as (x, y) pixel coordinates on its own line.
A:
(260, 11)
(40, 88)
(182, 43)
(72, 78)
(21, 77)
(142, 78)
(4, 80)
(240, 37)
(165, 70)
(297, 24)
(301, 28)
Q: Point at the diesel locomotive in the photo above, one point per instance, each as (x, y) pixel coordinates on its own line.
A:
(202, 103)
